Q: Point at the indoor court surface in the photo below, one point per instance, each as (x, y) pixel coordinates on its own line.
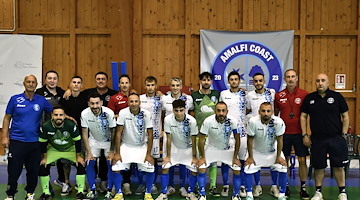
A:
(330, 190)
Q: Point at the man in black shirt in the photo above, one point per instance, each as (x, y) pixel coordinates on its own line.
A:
(329, 120)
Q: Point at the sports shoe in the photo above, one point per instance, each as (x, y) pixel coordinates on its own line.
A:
(274, 191)
(65, 189)
(108, 195)
(91, 195)
(249, 198)
(242, 191)
(237, 197)
(282, 198)
(225, 191)
(118, 197)
(304, 195)
(257, 191)
(317, 196)
(126, 189)
(45, 197)
(191, 196)
(148, 196)
(154, 189)
(342, 196)
(9, 198)
(80, 196)
(58, 183)
(183, 192)
(202, 197)
(30, 196)
(287, 192)
(213, 191)
(170, 190)
(162, 196)
(140, 190)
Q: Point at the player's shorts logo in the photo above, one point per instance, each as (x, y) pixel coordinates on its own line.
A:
(247, 58)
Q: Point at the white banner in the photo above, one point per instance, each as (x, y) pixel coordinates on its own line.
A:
(20, 55)
(269, 53)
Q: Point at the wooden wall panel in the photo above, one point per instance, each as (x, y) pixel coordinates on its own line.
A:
(7, 14)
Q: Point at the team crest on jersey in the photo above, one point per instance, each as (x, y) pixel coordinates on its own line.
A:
(282, 94)
(213, 99)
(297, 100)
(107, 98)
(119, 97)
(312, 101)
(330, 100)
(36, 107)
(20, 99)
(66, 134)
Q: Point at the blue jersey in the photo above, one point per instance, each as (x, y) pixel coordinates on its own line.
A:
(26, 116)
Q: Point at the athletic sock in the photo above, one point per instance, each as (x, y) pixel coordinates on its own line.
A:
(164, 182)
(282, 181)
(80, 181)
(109, 175)
(182, 174)
(149, 180)
(117, 180)
(249, 182)
(171, 176)
(342, 189)
(192, 183)
(257, 178)
(213, 175)
(237, 183)
(274, 177)
(225, 173)
(318, 188)
(90, 174)
(201, 177)
(44, 181)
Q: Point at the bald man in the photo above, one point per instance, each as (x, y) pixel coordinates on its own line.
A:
(25, 112)
(329, 121)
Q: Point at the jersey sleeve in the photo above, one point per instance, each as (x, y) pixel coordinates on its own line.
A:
(43, 137)
(83, 120)
(10, 106)
(343, 105)
(248, 105)
(111, 103)
(193, 127)
(190, 102)
(251, 127)
(121, 118)
(112, 121)
(75, 134)
(148, 121)
(167, 125)
(205, 127)
(47, 106)
(305, 105)
(235, 125)
(279, 127)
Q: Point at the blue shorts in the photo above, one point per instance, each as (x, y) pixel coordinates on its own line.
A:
(296, 141)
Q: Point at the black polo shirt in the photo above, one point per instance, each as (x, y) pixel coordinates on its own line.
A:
(325, 113)
(105, 97)
(73, 106)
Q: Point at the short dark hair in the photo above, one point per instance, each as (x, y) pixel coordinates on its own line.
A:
(124, 75)
(58, 107)
(102, 73)
(178, 103)
(150, 79)
(205, 74)
(232, 73)
(258, 74)
(265, 104)
(51, 71)
(221, 102)
(94, 95)
(76, 76)
(133, 93)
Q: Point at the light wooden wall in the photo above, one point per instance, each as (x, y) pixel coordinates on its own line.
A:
(161, 37)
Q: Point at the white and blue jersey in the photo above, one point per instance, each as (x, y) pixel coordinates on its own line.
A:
(26, 116)
(98, 126)
(254, 100)
(154, 106)
(168, 99)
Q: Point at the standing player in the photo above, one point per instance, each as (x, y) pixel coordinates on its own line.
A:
(265, 133)
(98, 127)
(151, 102)
(205, 100)
(134, 142)
(235, 99)
(60, 138)
(254, 99)
(288, 102)
(175, 93)
(181, 130)
(218, 128)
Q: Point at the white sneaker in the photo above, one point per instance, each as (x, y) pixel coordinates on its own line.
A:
(191, 196)
(202, 197)
(257, 191)
(237, 197)
(170, 190)
(342, 196)
(249, 198)
(282, 198)
(183, 192)
(317, 196)
(242, 191)
(30, 196)
(12, 198)
(126, 189)
(162, 196)
(225, 191)
(65, 189)
(274, 191)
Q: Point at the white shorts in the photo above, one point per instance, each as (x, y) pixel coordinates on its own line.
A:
(181, 156)
(133, 154)
(265, 160)
(96, 146)
(243, 148)
(216, 155)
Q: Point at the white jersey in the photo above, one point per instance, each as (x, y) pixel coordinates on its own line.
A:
(265, 134)
(98, 126)
(236, 104)
(181, 132)
(154, 106)
(168, 99)
(254, 100)
(219, 134)
(135, 126)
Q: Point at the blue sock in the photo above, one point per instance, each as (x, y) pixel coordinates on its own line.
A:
(171, 176)
(225, 173)
(90, 174)
(149, 180)
(201, 177)
(257, 178)
(109, 175)
(242, 173)
(140, 176)
(182, 173)
(249, 182)
(282, 182)
(274, 177)
(236, 183)
(164, 182)
(192, 183)
(117, 180)
(156, 171)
